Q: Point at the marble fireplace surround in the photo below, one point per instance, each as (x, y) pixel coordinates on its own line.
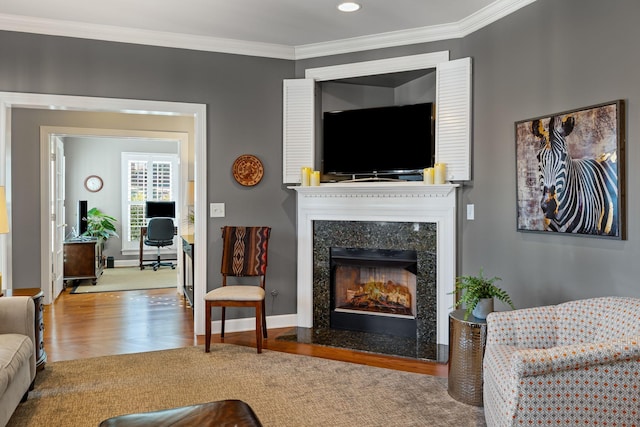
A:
(381, 202)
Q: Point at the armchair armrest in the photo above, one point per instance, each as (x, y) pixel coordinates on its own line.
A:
(17, 316)
(528, 327)
(532, 362)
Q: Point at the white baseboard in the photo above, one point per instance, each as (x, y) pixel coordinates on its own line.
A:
(249, 324)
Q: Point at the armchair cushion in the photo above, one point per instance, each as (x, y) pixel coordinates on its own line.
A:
(576, 363)
(15, 351)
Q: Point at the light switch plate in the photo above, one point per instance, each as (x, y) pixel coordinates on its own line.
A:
(216, 210)
(471, 214)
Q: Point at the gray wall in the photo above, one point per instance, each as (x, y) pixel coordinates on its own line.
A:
(550, 56)
(243, 96)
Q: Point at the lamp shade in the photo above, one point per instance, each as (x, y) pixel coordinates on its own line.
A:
(4, 219)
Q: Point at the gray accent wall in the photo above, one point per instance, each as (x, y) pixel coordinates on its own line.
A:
(550, 56)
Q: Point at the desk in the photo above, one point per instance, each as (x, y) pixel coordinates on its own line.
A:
(467, 339)
(187, 250)
(143, 232)
(83, 259)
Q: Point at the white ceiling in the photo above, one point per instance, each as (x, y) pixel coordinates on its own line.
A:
(277, 28)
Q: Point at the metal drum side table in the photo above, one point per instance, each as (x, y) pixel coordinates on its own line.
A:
(467, 339)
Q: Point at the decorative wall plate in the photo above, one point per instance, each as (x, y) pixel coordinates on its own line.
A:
(248, 170)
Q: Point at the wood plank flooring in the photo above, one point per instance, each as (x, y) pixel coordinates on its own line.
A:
(88, 325)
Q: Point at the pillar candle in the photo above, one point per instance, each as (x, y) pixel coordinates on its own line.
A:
(427, 175)
(305, 174)
(315, 178)
(440, 173)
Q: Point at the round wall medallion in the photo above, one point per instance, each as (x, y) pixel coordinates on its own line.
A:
(248, 170)
(93, 183)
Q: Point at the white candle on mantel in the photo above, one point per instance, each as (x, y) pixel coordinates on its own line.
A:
(305, 173)
(440, 173)
(315, 178)
(427, 176)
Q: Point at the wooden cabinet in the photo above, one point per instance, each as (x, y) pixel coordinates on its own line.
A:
(83, 260)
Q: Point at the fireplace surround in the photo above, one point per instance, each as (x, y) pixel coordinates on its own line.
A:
(407, 204)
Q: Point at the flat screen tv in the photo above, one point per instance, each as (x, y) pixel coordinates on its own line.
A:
(156, 209)
(393, 140)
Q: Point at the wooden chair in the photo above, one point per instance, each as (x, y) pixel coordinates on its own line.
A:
(244, 254)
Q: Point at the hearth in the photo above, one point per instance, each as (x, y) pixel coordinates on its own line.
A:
(373, 290)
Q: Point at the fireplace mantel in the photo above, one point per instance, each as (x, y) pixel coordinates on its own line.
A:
(383, 202)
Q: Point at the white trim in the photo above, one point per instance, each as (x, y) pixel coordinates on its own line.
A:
(80, 30)
(249, 323)
(380, 66)
(10, 100)
(491, 13)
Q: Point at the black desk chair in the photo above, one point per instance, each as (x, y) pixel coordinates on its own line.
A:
(160, 233)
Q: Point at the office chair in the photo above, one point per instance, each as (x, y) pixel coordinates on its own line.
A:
(160, 231)
(244, 254)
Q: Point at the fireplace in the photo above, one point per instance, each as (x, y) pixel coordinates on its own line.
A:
(373, 290)
(406, 216)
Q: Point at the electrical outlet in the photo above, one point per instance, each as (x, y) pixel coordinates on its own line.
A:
(216, 210)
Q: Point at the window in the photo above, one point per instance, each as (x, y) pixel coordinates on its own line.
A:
(146, 176)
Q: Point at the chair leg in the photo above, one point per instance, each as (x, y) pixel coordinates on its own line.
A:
(259, 327)
(207, 327)
(264, 320)
(222, 323)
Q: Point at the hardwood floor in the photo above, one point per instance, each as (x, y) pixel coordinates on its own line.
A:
(88, 325)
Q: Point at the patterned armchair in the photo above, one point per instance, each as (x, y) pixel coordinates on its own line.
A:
(576, 363)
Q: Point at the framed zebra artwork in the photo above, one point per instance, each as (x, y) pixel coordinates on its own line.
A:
(570, 172)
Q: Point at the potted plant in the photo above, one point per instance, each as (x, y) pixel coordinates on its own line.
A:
(478, 293)
(100, 225)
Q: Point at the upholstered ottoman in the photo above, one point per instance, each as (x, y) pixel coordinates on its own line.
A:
(212, 414)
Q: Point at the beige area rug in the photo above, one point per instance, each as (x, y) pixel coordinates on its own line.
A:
(129, 279)
(283, 389)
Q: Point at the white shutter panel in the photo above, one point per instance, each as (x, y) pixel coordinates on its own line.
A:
(298, 148)
(453, 118)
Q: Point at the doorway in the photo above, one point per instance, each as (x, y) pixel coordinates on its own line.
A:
(137, 109)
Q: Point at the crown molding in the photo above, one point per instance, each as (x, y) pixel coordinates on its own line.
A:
(144, 37)
(489, 14)
(493, 12)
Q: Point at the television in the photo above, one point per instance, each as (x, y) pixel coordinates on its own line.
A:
(156, 209)
(394, 140)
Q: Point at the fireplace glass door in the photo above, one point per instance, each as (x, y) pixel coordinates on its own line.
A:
(373, 290)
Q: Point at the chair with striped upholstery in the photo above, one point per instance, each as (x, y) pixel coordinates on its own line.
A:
(244, 257)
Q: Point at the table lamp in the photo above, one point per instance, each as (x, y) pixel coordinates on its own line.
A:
(190, 201)
(4, 219)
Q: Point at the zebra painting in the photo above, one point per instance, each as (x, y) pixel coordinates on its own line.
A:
(577, 195)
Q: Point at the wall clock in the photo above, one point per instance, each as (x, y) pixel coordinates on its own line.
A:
(248, 170)
(93, 183)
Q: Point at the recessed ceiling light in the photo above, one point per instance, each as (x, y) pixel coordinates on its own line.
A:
(348, 6)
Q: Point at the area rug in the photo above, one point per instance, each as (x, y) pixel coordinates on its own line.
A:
(129, 279)
(283, 389)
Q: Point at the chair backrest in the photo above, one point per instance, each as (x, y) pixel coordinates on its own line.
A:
(244, 251)
(598, 319)
(160, 228)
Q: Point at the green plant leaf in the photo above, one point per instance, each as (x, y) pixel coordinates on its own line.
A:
(471, 289)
